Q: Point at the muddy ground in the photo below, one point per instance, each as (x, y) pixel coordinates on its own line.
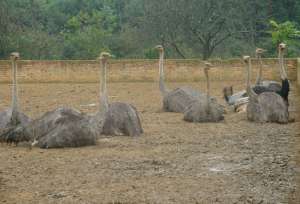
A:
(234, 161)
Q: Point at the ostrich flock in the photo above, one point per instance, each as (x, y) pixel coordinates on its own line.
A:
(266, 101)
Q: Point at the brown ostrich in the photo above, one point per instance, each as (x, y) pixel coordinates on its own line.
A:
(204, 109)
(264, 107)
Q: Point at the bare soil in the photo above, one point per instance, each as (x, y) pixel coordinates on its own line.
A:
(234, 161)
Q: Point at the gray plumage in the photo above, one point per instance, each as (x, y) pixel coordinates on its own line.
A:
(204, 109)
(119, 118)
(63, 127)
(179, 99)
(6, 115)
(267, 107)
(122, 119)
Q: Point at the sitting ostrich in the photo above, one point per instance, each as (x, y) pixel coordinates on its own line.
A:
(63, 127)
(60, 128)
(205, 109)
(176, 100)
(119, 118)
(11, 118)
(264, 107)
(270, 85)
(241, 98)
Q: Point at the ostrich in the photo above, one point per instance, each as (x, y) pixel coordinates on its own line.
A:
(268, 85)
(119, 118)
(264, 107)
(204, 109)
(176, 100)
(60, 128)
(11, 118)
(261, 86)
(63, 127)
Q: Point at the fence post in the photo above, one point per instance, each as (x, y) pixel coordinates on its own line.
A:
(298, 71)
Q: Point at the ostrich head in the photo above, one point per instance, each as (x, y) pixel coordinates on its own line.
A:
(160, 48)
(104, 56)
(259, 51)
(207, 67)
(282, 47)
(14, 56)
(246, 59)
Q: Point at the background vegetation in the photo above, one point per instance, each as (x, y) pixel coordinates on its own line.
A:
(77, 29)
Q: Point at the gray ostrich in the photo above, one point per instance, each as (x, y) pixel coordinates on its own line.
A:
(176, 100)
(119, 118)
(12, 117)
(204, 109)
(264, 107)
(63, 127)
(241, 98)
(267, 85)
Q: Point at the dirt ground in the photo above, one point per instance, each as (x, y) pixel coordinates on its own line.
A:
(234, 161)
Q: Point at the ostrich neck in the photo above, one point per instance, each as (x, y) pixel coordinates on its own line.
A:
(207, 90)
(103, 91)
(259, 76)
(282, 70)
(162, 86)
(250, 91)
(14, 94)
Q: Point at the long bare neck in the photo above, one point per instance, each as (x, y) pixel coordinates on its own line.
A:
(259, 76)
(162, 86)
(103, 91)
(250, 91)
(207, 89)
(14, 116)
(282, 70)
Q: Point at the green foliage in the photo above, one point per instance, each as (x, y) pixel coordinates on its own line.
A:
(151, 53)
(77, 29)
(284, 32)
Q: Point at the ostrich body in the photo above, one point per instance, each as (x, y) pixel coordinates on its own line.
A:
(264, 107)
(12, 117)
(179, 99)
(119, 118)
(62, 127)
(205, 109)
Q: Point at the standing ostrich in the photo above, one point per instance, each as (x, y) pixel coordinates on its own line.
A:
(119, 118)
(176, 100)
(205, 109)
(11, 118)
(264, 107)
